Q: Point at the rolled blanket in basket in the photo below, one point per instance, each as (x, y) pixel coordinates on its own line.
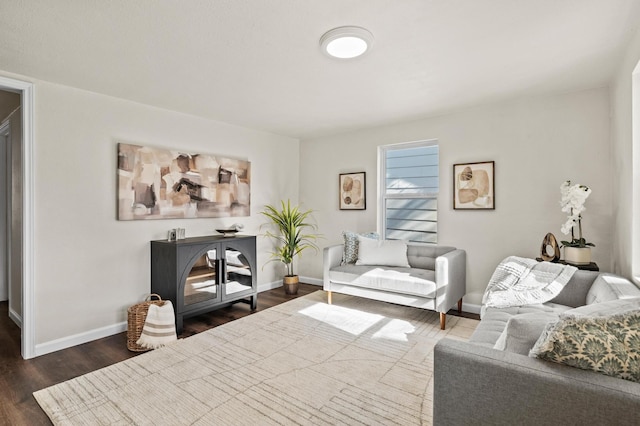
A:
(159, 326)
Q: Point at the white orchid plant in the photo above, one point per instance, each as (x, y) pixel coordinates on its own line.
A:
(572, 202)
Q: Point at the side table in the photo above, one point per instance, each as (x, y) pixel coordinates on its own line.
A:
(588, 267)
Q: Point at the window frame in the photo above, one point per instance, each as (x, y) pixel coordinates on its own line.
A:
(382, 175)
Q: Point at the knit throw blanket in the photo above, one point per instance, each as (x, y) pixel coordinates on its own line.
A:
(159, 326)
(518, 281)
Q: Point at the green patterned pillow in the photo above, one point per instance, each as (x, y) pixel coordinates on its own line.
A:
(350, 253)
(608, 344)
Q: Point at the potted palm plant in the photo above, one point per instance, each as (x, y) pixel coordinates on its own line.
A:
(292, 238)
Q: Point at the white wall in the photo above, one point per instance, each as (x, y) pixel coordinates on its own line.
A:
(536, 143)
(89, 267)
(626, 163)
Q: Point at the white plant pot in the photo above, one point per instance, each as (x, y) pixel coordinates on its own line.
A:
(577, 255)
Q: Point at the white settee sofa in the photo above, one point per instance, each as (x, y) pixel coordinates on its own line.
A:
(434, 278)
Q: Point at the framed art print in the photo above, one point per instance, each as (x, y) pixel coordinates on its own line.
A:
(352, 191)
(159, 183)
(474, 186)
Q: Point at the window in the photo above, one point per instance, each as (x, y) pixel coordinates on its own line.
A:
(409, 191)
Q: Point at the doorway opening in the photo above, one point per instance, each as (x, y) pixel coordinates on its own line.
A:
(16, 220)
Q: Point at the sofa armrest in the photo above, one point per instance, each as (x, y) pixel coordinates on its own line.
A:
(451, 279)
(332, 257)
(474, 384)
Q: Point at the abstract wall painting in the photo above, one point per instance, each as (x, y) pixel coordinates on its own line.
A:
(474, 186)
(158, 183)
(352, 191)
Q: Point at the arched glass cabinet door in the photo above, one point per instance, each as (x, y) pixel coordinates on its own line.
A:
(202, 283)
(237, 272)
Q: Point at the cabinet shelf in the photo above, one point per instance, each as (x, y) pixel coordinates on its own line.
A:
(198, 273)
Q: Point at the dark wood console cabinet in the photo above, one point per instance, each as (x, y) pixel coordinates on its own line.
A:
(201, 274)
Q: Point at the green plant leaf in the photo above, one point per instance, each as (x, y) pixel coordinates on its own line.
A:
(292, 237)
(577, 242)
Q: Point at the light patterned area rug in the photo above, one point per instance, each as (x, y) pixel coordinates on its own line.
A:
(357, 361)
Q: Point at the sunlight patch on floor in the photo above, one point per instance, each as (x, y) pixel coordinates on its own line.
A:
(352, 321)
(396, 330)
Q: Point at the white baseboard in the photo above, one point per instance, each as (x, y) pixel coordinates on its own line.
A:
(99, 333)
(80, 338)
(13, 315)
(309, 280)
(277, 284)
(269, 286)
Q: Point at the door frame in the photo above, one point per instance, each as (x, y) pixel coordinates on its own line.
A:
(26, 90)
(5, 134)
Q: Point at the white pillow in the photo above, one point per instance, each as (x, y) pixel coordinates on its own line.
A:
(350, 252)
(382, 252)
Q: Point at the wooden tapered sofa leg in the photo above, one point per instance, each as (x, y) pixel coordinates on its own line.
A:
(443, 320)
(329, 297)
(460, 306)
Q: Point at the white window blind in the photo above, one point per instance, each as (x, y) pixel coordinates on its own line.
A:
(409, 191)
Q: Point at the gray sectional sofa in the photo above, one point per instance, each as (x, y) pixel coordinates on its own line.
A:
(434, 280)
(491, 379)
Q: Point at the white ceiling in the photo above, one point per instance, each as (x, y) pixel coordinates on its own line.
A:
(256, 63)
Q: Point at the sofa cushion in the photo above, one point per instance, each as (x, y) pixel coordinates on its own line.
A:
(574, 293)
(418, 282)
(382, 252)
(350, 252)
(494, 320)
(523, 330)
(607, 344)
(609, 287)
(424, 255)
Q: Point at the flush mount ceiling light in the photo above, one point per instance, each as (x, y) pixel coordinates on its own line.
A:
(346, 42)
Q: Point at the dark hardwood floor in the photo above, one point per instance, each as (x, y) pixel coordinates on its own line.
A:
(19, 378)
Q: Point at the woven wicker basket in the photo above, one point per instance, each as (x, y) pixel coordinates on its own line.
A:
(136, 316)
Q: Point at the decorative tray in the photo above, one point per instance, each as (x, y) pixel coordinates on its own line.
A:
(227, 232)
